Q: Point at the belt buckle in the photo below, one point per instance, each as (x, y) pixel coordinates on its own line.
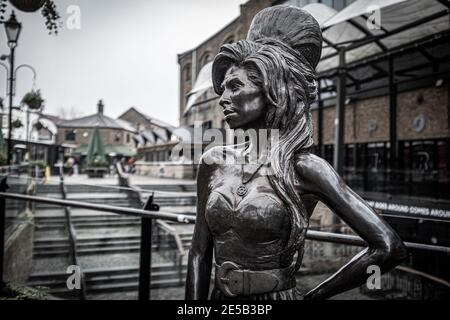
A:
(224, 280)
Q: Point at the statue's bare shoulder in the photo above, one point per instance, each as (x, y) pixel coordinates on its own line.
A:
(316, 175)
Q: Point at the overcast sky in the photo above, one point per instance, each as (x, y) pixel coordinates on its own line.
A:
(125, 53)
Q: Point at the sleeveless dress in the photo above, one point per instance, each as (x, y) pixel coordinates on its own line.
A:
(250, 229)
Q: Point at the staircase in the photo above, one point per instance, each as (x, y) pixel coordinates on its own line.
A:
(107, 244)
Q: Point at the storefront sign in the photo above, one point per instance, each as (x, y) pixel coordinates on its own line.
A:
(411, 210)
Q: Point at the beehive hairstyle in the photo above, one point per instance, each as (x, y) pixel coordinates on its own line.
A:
(280, 55)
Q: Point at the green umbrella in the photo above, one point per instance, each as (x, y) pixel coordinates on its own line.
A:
(96, 148)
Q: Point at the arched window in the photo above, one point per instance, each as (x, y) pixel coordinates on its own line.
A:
(206, 57)
(187, 72)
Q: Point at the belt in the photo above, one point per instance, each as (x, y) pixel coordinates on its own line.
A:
(234, 281)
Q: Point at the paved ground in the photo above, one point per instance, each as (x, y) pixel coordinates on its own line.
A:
(113, 180)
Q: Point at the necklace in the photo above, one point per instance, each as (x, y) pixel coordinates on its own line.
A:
(242, 189)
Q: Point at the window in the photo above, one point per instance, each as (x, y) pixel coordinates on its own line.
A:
(70, 135)
(301, 3)
(187, 72)
(327, 2)
(207, 125)
(205, 59)
(128, 138)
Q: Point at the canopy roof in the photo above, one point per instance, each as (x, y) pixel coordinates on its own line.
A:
(153, 136)
(97, 120)
(49, 125)
(358, 30)
(363, 33)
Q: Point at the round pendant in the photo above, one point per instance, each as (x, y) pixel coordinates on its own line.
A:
(241, 190)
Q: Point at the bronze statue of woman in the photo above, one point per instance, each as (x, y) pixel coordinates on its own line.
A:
(256, 222)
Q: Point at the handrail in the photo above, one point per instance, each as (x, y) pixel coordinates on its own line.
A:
(424, 275)
(134, 212)
(174, 234)
(310, 234)
(124, 182)
(72, 234)
(181, 252)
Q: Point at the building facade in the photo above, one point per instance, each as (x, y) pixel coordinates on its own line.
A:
(117, 136)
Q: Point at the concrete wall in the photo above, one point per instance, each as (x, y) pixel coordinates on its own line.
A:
(19, 250)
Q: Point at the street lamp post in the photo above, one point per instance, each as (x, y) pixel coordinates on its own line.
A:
(12, 28)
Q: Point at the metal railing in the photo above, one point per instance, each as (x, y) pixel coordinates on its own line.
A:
(72, 234)
(177, 258)
(151, 211)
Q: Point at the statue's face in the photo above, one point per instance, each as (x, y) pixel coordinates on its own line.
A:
(242, 101)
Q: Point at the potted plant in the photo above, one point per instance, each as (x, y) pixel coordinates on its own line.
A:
(33, 99)
(38, 168)
(48, 11)
(28, 5)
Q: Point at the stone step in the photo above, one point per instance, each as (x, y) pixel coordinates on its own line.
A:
(126, 287)
(95, 249)
(114, 279)
(89, 224)
(80, 219)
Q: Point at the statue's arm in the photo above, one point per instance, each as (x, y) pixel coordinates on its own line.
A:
(200, 254)
(385, 248)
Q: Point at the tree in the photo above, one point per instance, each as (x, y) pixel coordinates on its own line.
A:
(68, 113)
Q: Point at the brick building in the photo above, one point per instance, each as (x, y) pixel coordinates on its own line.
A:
(117, 135)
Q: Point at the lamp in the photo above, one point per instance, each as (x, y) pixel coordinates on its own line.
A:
(12, 28)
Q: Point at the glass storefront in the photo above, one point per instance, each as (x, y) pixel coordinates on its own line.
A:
(423, 168)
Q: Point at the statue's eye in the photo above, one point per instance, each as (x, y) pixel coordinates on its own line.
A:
(235, 87)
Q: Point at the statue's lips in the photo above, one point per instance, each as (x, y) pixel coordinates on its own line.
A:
(228, 113)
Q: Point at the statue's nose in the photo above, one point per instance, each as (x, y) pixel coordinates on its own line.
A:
(224, 100)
